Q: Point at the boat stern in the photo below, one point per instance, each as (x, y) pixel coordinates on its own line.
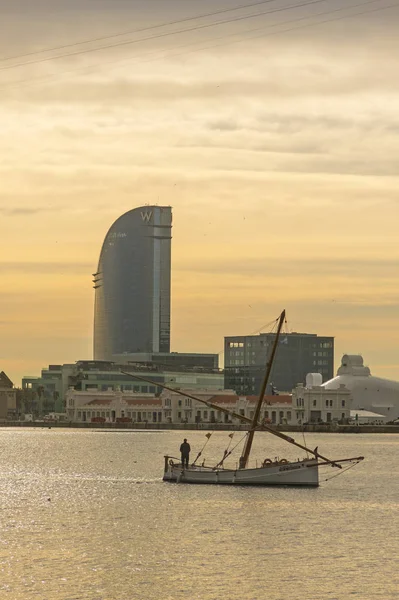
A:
(169, 472)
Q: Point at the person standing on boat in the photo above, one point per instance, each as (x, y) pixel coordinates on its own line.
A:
(185, 453)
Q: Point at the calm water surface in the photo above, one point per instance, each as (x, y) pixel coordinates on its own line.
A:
(85, 514)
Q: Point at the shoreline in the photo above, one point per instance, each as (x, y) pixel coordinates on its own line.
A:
(316, 428)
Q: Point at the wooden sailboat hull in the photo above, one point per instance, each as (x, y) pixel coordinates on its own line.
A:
(301, 473)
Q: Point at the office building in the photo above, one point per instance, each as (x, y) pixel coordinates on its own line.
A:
(297, 355)
(50, 389)
(132, 285)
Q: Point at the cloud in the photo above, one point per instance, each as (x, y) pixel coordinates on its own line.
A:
(239, 266)
(278, 156)
(46, 268)
(25, 210)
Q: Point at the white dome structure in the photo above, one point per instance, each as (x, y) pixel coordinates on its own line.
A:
(368, 393)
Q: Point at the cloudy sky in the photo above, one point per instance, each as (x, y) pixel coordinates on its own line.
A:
(275, 140)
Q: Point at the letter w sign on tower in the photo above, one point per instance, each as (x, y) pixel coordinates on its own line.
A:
(146, 216)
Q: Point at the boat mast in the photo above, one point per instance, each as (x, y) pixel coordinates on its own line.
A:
(248, 443)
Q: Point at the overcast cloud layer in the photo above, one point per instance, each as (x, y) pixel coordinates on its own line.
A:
(279, 155)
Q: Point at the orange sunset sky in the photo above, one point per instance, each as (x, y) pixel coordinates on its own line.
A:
(275, 140)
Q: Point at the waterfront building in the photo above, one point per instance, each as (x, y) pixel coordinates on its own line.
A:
(373, 394)
(177, 409)
(365, 417)
(297, 355)
(307, 404)
(314, 403)
(84, 375)
(94, 405)
(8, 397)
(132, 285)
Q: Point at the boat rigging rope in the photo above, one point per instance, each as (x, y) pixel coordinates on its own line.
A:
(227, 452)
(266, 326)
(304, 441)
(208, 437)
(343, 471)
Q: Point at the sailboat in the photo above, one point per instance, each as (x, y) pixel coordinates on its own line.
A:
(302, 472)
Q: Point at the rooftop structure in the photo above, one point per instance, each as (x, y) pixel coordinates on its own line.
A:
(176, 360)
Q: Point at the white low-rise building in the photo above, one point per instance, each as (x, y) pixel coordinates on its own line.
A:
(112, 406)
(370, 393)
(312, 403)
(365, 417)
(315, 404)
(180, 409)
(121, 406)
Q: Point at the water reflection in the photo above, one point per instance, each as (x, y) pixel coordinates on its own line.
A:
(86, 515)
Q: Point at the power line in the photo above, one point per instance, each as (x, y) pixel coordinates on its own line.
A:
(162, 35)
(273, 25)
(156, 53)
(140, 30)
(306, 25)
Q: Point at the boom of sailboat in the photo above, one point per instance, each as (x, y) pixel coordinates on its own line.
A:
(303, 472)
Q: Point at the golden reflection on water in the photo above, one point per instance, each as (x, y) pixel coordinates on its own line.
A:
(85, 515)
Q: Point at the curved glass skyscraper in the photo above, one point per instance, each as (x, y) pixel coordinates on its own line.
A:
(132, 285)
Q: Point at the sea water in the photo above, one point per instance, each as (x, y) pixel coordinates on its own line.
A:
(85, 515)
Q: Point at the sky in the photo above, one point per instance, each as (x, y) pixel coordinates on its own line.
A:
(275, 141)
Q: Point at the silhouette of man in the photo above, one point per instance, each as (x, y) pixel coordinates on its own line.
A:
(185, 453)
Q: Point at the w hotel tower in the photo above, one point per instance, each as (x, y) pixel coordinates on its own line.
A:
(132, 285)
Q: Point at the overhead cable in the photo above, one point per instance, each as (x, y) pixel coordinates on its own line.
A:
(140, 30)
(161, 35)
(89, 68)
(306, 25)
